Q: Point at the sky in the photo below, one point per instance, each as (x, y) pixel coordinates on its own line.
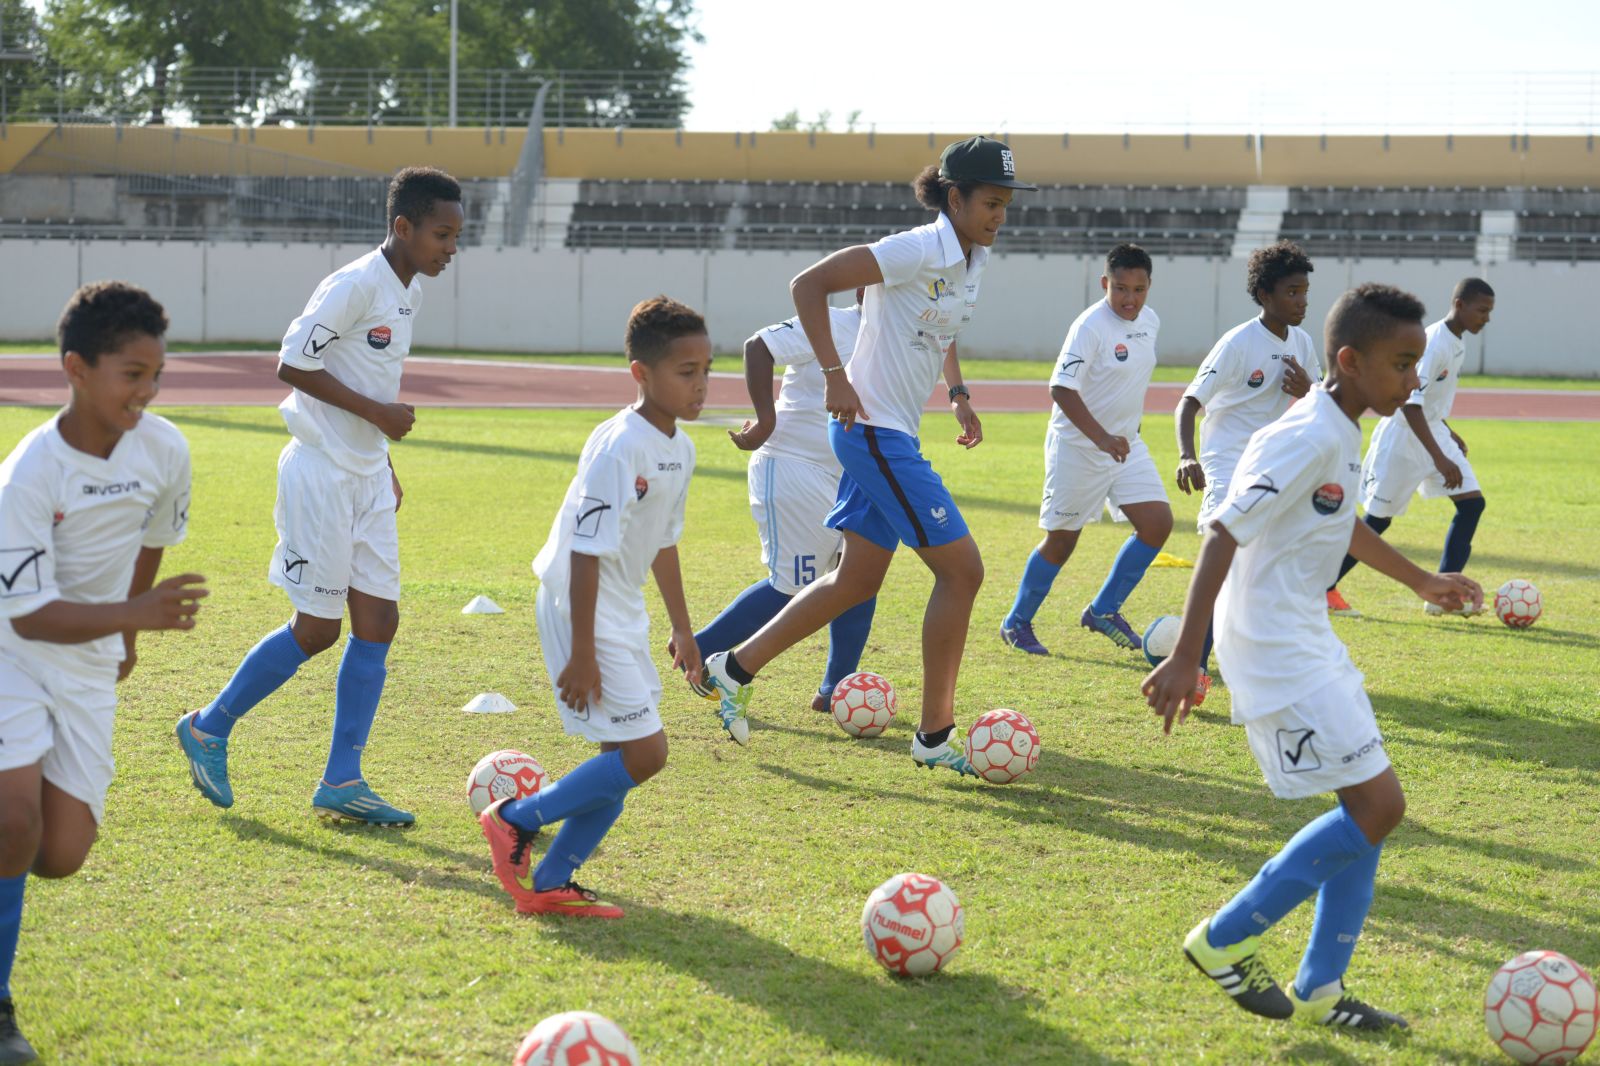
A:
(1206, 65)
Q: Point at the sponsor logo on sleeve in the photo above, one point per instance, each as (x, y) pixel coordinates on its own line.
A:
(19, 571)
(321, 337)
(590, 512)
(640, 487)
(1297, 753)
(1256, 378)
(1070, 365)
(1121, 352)
(379, 337)
(1261, 486)
(180, 513)
(1328, 498)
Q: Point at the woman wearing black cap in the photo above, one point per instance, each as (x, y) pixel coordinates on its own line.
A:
(921, 289)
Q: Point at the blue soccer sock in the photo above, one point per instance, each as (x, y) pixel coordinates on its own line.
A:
(1458, 542)
(579, 836)
(1205, 649)
(594, 783)
(10, 926)
(1317, 853)
(264, 670)
(1133, 559)
(355, 704)
(1342, 906)
(738, 622)
(847, 639)
(1037, 577)
(1378, 525)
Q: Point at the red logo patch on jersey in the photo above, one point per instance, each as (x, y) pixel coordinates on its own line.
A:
(1329, 498)
(1443, 374)
(1256, 378)
(1121, 352)
(640, 487)
(379, 337)
(59, 518)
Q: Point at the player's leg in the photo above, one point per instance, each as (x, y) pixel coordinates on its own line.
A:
(1074, 485)
(957, 576)
(1038, 574)
(1137, 489)
(760, 602)
(847, 640)
(1458, 541)
(21, 826)
(1393, 468)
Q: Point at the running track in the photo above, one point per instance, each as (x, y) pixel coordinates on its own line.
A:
(250, 379)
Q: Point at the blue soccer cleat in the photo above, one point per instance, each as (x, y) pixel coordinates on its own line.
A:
(1113, 626)
(1020, 636)
(357, 802)
(208, 761)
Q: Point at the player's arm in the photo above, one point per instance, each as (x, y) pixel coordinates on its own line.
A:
(579, 683)
(669, 579)
(1190, 477)
(758, 366)
(1424, 433)
(1460, 443)
(843, 271)
(961, 402)
(1449, 591)
(1072, 405)
(145, 567)
(394, 420)
(171, 604)
(1169, 688)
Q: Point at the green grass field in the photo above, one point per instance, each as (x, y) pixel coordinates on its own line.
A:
(259, 935)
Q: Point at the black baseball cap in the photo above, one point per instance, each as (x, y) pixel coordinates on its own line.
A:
(981, 159)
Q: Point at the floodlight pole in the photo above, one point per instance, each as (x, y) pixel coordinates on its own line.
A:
(453, 4)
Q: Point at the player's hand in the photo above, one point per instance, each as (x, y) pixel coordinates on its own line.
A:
(394, 420)
(1190, 477)
(171, 604)
(1116, 447)
(1459, 442)
(971, 429)
(686, 655)
(1296, 382)
(578, 684)
(1451, 591)
(1169, 689)
(751, 435)
(1450, 472)
(839, 397)
(399, 494)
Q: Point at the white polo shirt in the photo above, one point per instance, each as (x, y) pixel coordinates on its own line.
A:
(357, 327)
(1292, 508)
(1240, 384)
(625, 505)
(1108, 361)
(802, 429)
(1439, 372)
(928, 294)
(72, 524)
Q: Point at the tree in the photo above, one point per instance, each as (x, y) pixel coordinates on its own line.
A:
(792, 122)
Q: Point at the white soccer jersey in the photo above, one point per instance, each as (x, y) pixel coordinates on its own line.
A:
(357, 327)
(624, 506)
(1292, 510)
(1240, 384)
(802, 429)
(1108, 361)
(928, 294)
(72, 524)
(1439, 373)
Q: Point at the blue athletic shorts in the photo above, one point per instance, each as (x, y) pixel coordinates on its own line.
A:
(889, 493)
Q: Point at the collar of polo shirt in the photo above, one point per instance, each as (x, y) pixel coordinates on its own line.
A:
(950, 243)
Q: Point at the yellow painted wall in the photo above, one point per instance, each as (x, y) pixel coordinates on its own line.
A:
(669, 154)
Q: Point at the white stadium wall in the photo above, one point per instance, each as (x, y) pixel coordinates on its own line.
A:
(558, 300)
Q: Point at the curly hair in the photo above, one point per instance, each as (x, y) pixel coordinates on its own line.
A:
(1366, 314)
(655, 323)
(415, 190)
(104, 315)
(933, 192)
(1272, 264)
(1128, 257)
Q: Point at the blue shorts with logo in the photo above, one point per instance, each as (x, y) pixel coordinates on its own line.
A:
(889, 493)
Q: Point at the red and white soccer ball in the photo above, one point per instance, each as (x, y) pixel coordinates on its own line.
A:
(1518, 604)
(576, 1038)
(503, 775)
(863, 704)
(1002, 745)
(912, 924)
(1540, 1007)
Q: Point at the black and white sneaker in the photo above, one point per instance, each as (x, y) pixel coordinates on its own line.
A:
(1339, 1011)
(14, 1047)
(1238, 971)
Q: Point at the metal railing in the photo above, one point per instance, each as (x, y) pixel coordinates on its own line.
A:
(308, 96)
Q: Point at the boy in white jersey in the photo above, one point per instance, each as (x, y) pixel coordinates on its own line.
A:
(1092, 452)
(1264, 566)
(620, 521)
(337, 498)
(88, 502)
(794, 481)
(1425, 452)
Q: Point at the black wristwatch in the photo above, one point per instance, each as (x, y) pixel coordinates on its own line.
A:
(959, 390)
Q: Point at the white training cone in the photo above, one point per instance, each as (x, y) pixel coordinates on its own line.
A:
(489, 703)
(482, 605)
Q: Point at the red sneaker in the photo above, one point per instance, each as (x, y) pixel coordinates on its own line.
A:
(571, 899)
(1338, 606)
(1202, 686)
(508, 847)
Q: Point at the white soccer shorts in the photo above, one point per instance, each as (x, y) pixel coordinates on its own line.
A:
(630, 688)
(336, 531)
(1325, 742)
(1079, 480)
(1397, 465)
(1219, 475)
(789, 499)
(66, 725)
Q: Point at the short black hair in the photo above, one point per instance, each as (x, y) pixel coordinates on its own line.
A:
(933, 191)
(1469, 289)
(655, 323)
(414, 191)
(1128, 257)
(1366, 314)
(1272, 264)
(102, 316)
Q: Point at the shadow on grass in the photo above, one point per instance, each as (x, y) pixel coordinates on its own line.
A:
(1503, 638)
(1488, 734)
(950, 1017)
